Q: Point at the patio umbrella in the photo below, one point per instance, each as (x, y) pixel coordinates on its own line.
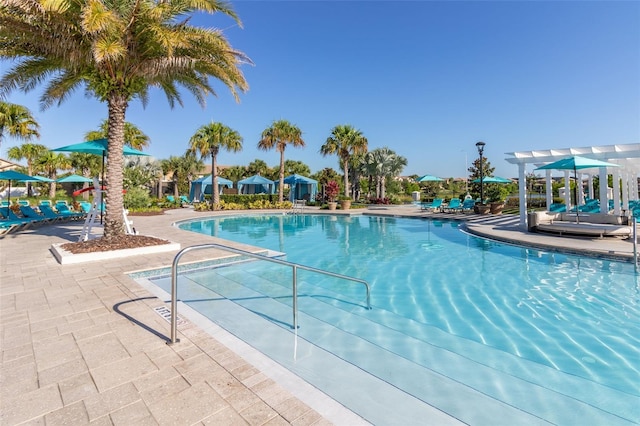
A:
(74, 178)
(576, 163)
(10, 175)
(429, 178)
(492, 179)
(97, 147)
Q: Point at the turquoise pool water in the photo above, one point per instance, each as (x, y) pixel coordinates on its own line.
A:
(546, 336)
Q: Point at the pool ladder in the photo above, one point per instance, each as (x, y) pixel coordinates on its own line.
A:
(294, 266)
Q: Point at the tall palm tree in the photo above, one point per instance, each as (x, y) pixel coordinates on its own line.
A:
(207, 142)
(345, 141)
(382, 163)
(49, 163)
(278, 136)
(30, 152)
(17, 121)
(133, 136)
(258, 167)
(116, 50)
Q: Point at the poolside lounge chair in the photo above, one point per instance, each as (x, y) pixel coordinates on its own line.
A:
(468, 204)
(4, 203)
(184, 199)
(557, 207)
(29, 213)
(63, 209)
(47, 211)
(436, 204)
(9, 217)
(454, 205)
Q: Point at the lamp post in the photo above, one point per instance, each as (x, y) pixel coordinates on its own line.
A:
(480, 145)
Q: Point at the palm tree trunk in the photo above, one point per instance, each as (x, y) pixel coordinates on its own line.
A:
(280, 187)
(215, 195)
(114, 221)
(346, 177)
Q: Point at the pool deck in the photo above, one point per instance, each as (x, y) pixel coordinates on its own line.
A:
(82, 344)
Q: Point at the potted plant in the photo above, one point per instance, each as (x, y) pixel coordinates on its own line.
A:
(345, 202)
(331, 190)
(497, 195)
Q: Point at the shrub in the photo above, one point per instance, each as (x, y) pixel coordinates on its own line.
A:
(136, 198)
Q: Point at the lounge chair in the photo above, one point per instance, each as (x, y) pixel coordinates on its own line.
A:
(184, 199)
(468, 204)
(47, 211)
(9, 217)
(436, 204)
(63, 209)
(23, 203)
(454, 205)
(29, 213)
(85, 206)
(4, 203)
(557, 207)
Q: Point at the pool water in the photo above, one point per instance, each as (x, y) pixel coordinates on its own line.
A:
(485, 332)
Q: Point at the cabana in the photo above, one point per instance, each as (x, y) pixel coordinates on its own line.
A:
(202, 186)
(302, 187)
(256, 184)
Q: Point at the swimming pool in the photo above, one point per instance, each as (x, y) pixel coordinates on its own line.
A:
(485, 332)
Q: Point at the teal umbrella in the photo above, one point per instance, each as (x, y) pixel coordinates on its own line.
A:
(576, 163)
(74, 178)
(429, 178)
(10, 175)
(492, 179)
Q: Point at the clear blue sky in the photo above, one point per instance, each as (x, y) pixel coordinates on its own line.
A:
(427, 79)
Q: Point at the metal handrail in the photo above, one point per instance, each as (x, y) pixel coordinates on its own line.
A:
(295, 266)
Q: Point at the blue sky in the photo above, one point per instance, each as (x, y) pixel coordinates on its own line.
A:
(427, 79)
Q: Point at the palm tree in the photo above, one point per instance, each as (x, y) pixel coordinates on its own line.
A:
(234, 173)
(182, 171)
(116, 50)
(345, 141)
(17, 121)
(133, 136)
(382, 163)
(207, 141)
(30, 152)
(258, 167)
(49, 163)
(278, 136)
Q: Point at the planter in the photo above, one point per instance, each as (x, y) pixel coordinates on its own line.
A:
(481, 209)
(496, 208)
(345, 204)
(332, 205)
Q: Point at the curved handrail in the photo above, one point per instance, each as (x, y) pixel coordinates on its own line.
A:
(295, 266)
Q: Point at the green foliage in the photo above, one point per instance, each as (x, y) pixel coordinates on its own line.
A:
(496, 192)
(136, 198)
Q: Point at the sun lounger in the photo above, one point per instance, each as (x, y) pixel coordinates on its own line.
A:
(468, 204)
(29, 213)
(47, 211)
(454, 206)
(436, 204)
(9, 217)
(63, 209)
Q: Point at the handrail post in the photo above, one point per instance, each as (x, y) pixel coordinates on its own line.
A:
(295, 297)
(635, 243)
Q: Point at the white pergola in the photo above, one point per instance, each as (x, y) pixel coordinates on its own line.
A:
(627, 156)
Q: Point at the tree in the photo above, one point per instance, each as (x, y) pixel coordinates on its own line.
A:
(296, 167)
(141, 172)
(50, 162)
(133, 136)
(234, 173)
(116, 50)
(474, 173)
(380, 164)
(278, 136)
(207, 141)
(17, 121)
(30, 152)
(182, 171)
(258, 167)
(345, 141)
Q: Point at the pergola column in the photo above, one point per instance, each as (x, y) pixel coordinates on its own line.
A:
(604, 185)
(615, 173)
(549, 188)
(522, 195)
(567, 190)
